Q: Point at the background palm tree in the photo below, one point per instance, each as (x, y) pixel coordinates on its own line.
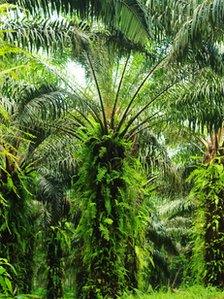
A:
(26, 108)
(203, 111)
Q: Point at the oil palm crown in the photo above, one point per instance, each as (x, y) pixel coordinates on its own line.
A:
(113, 111)
(107, 134)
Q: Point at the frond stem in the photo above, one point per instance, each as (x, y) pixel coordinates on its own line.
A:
(98, 91)
(118, 91)
(137, 92)
(145, 107)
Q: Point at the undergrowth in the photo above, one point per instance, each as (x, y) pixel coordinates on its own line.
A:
(194, 292)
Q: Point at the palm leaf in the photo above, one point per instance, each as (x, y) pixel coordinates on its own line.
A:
(129, 16)
(35, 33)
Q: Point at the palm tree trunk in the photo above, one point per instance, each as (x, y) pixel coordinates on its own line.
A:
(214, 241)
(108, 260)
(214, 220)
(54, 263)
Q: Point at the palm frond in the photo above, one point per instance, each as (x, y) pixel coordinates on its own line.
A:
(99, 94)
(177, 207)
(118, 43)
(202, 102)
(29, 102)
(130, 16)
(118, 91)
(123, 118)
(35, 33)
(169, 15)
(161, 239)
(205, 24)
(52, 193)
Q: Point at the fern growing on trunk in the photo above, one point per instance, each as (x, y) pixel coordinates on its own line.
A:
(208, 189)
(109, 188)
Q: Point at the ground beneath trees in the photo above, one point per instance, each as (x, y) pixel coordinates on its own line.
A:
(195, 292)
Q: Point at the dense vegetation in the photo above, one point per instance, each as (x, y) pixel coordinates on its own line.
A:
(111, 151)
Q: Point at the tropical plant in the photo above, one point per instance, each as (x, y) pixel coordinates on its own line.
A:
(108, 162)
(207, 191)
(203, 112)
(109, 224)
(37, 32)
(52, 186)
(5, 279)
(21, 133)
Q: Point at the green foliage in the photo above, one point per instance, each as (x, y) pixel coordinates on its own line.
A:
(52, 141)
(5, 279)
(129, 17)
(109, 190)
(194, 292)
(35, 32)
(201, 97)
(208, 193)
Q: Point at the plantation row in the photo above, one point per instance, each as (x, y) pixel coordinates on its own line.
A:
(111, 151)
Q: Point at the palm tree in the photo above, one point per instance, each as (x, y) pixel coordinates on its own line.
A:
(202, 102)
(55, 178)
(110, 199)
(36, 35)
(22, 132)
